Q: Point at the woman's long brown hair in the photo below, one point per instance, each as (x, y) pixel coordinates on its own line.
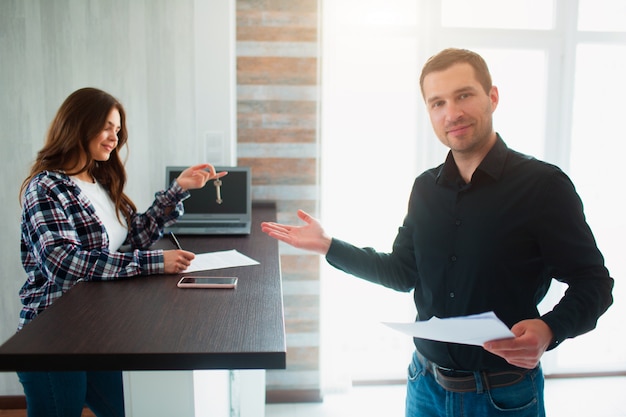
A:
(81, 117)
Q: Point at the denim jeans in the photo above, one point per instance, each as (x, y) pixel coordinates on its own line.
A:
(65, 394)
(426, 398)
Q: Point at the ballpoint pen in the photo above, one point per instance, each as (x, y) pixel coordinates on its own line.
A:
(176, 242)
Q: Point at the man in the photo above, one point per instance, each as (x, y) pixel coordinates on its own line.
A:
(485, 231)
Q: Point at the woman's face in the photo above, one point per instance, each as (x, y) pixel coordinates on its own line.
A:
(105, 142)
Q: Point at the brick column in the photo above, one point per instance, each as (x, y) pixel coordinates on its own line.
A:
(277, 120)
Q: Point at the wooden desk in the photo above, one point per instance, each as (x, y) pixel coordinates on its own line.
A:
(147, 323)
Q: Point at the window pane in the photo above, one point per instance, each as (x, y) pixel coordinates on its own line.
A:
(374, 12)
(520, 76)
(510, 14)
(596, 161)
(369, 140)
(602, 15)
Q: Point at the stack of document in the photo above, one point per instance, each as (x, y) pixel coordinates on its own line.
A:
(468, 330)
(219, 260)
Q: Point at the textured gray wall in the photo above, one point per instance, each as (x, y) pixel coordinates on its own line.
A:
(171, 64)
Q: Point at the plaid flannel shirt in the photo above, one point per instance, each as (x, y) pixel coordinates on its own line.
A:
(64, 242)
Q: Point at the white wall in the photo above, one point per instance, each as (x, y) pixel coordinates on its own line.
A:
(170, 63)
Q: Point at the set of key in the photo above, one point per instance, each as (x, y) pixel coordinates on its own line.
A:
(218, 185)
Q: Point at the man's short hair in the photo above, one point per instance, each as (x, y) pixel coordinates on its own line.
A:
(451, 56)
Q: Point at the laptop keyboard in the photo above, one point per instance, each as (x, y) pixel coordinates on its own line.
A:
(214, 224)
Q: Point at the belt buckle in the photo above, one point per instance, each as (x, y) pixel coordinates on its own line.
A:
(455, 383)
(467, 383)
(445, 371)
(449, 383)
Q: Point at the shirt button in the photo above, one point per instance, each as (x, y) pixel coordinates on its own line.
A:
(457, 222)
(453, 258)
(452, 294)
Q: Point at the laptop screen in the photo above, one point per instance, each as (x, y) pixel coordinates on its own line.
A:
(203, 204)
(204, 200)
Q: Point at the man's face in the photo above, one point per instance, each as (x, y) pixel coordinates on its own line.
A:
(460, 110)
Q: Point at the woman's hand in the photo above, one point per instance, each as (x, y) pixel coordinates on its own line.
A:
(197, 176)
(176, 261)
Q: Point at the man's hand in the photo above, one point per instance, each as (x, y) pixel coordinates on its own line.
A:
(310, 237)
(532, 338)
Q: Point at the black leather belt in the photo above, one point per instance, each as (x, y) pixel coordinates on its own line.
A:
(465, 381)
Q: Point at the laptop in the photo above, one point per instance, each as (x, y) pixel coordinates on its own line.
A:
(205, 215)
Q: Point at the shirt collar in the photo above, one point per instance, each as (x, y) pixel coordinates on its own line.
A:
(492, 164)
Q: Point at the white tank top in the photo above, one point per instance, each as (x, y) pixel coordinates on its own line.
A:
(105, 210)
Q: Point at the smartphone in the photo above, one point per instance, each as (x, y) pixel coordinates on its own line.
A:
(207, 282)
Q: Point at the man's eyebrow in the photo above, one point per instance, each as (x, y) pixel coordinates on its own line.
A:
(466, 89)
(432, 99)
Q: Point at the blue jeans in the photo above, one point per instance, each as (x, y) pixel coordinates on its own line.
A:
(65, 394)
(426, 398)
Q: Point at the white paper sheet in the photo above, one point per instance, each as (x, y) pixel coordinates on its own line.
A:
(218, 260)
(468, 330)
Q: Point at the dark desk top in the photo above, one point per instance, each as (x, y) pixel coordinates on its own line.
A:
(147, 323)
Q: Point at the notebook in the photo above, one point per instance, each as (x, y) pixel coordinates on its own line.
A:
(205, 215)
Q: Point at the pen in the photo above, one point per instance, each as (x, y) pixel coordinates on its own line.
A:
(176, 242)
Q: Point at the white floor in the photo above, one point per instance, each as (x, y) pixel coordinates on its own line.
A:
(585, 397)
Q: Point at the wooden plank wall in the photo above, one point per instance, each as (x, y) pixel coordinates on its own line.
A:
(277, 119)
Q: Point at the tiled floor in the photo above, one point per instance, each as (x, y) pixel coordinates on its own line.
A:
(585, 397)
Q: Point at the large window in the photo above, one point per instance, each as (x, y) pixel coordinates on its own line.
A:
(559, 68)
(369, 153)
(596, 154)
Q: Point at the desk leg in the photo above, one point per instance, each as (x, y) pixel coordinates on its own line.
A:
(212, 393)
(195, 393)
(159, 393)
(247, 395)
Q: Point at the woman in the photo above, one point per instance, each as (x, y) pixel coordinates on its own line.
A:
(75, 217)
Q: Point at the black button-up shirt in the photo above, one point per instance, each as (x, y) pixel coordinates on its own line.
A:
(492, 244)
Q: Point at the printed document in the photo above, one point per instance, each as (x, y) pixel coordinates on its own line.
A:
(218, 260)
(468, 330)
